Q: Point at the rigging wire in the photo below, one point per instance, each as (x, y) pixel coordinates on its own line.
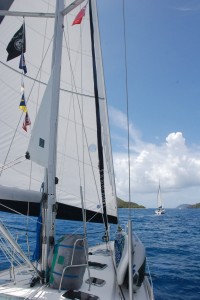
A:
(130, 247)
(12, 163)
(127, 107)
(82, 190)
(42, 82)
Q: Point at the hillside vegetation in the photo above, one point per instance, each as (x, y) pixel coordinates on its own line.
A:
(124, 204)
(183, 206)
(197, 205)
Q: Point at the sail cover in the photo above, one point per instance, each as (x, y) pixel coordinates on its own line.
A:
(77, 152)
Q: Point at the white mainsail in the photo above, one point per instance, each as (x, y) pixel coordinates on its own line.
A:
(160, 208)
(77, 159)
(159, 198)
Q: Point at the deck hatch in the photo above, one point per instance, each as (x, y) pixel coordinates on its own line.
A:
(72, 294)
(95, 281)
(96, 265)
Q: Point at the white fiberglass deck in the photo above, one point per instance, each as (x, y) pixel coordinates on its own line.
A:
(109, 290)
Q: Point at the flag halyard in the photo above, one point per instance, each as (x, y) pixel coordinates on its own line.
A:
(22, 63)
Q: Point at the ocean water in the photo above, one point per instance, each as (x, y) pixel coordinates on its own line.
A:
(172, 246)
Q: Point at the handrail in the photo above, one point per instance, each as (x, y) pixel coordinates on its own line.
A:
(79, 265)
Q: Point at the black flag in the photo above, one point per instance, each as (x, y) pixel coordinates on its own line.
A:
(17, 45)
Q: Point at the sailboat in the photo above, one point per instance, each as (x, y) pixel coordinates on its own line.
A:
(160, 210)
(56, 158)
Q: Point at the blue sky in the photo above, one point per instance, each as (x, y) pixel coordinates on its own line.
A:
(163, 55)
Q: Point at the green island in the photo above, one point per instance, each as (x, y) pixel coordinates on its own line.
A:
(197, 205)
(124, 204)
(183, 206)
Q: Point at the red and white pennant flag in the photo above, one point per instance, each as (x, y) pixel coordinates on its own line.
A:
(26, 122)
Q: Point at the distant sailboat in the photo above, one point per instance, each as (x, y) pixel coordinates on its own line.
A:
(160, 210)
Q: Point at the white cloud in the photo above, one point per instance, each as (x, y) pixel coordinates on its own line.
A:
(173, 163)
(188, 6)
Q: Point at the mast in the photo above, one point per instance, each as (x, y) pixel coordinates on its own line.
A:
(49, 207)
(98, 120)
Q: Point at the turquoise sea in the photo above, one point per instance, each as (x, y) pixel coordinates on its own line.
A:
(172, 244)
